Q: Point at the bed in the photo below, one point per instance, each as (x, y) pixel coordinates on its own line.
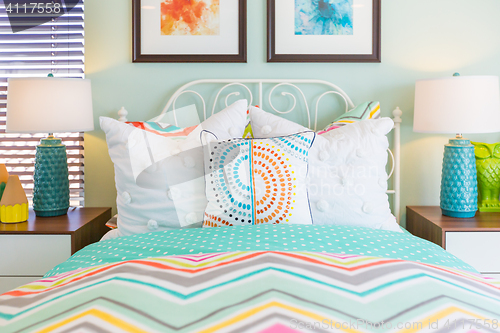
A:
(314, 277)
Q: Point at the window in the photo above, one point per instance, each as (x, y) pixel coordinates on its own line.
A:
(55, 47)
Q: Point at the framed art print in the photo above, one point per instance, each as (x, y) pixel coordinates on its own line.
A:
(189, 30)
(323, 30)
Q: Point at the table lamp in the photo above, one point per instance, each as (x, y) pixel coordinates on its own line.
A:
(458, 104)
(49, 105)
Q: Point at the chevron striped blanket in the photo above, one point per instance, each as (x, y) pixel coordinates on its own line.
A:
(256, 291)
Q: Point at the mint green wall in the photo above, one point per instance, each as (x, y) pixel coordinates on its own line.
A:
(420, 39)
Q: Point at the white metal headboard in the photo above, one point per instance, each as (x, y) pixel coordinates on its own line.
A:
(325, 87)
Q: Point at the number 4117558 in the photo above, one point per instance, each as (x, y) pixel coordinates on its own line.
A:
(34, 8)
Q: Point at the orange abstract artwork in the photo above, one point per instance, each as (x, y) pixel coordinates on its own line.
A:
(190, 17)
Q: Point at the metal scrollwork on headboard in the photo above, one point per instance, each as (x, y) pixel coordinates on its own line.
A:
(247, 83)
(285, 93)
(187, 92)
(248, 86)
(319, 100)
(235, 93)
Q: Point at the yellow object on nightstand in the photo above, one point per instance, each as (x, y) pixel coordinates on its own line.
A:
(14, 214)
(14, 204)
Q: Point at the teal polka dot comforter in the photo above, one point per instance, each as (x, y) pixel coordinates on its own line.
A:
(310, 238)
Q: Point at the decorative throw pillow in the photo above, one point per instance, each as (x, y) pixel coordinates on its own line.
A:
(159, 171)
(347, 180)
(368, 110)
(247, 134)
(257, 181)
(161, 129)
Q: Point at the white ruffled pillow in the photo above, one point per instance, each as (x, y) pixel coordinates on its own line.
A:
(160, 177)
(347, 170)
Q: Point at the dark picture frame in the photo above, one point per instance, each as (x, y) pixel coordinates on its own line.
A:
(375, 55)
(138, 56)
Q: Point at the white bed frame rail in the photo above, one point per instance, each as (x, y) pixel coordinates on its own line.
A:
(267, 87)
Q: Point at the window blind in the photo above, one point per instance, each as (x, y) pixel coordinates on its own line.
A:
(55, 47)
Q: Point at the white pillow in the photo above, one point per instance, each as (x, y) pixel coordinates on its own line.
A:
(257, 181)
(347, 170)
(159, 176)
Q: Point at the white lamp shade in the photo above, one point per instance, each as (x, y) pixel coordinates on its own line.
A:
(49, 105)
(457, 104)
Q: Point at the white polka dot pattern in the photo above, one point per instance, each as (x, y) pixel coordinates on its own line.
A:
(311, 238)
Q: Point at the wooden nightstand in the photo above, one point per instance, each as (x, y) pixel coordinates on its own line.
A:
(475, 240)
(28, 250)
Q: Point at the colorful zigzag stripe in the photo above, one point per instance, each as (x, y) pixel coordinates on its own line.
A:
(253, 292)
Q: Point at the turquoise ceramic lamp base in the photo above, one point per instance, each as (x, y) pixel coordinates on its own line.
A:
(459, 179)
(51, 191)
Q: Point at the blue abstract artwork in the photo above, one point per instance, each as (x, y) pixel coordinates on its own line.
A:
(323, 17)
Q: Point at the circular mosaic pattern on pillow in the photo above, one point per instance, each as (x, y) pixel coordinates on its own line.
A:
(258, 181)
